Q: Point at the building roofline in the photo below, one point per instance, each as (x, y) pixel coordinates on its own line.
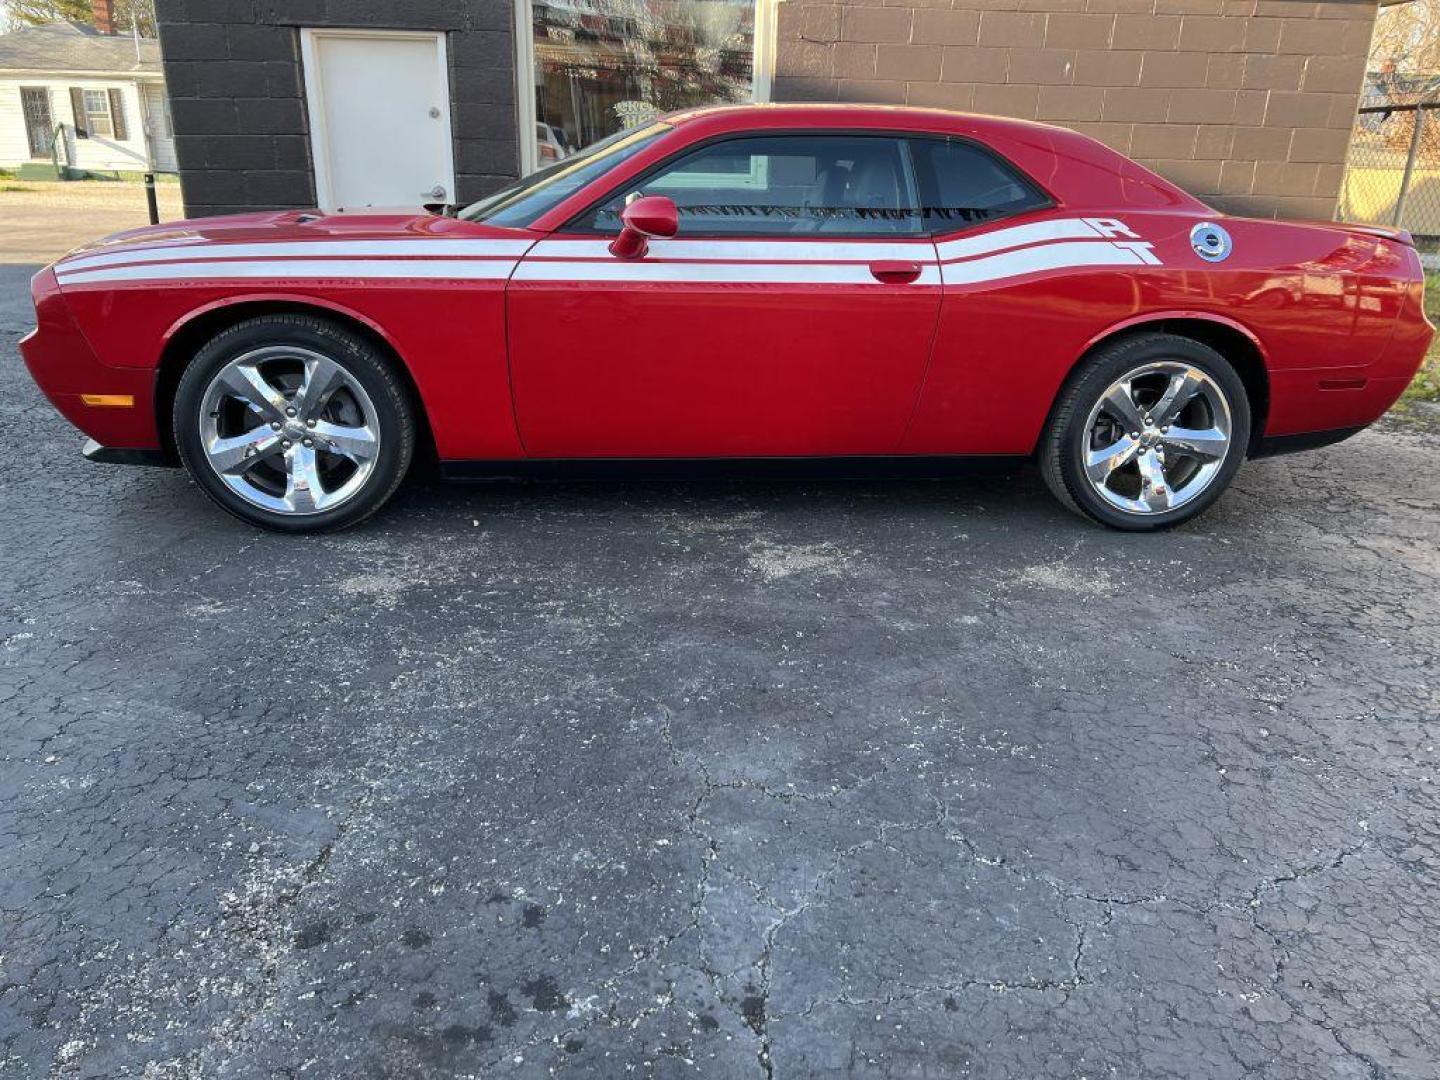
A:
(41, 73)
(77, 48)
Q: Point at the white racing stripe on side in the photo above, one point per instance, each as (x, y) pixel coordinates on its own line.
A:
(1039, 232)
(511, 249)
(997, 267)
(1047, 257)
(689, 273)
(921, 251)
(747, 268)
(317, 269)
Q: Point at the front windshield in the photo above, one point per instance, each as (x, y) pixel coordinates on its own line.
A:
(522, 202)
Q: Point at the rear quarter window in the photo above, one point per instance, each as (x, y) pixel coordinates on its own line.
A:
(962, 184)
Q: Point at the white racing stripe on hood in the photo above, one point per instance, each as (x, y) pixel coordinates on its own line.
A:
(299, 269)
(302, 249)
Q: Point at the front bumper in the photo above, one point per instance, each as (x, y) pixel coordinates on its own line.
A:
(66, 369)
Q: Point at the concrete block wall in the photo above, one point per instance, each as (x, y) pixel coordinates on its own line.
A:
(237, 93)
(1248, 104)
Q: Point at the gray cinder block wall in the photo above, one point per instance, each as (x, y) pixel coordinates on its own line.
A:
(237, 93)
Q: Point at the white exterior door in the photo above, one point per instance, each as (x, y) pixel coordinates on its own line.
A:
(379, 106)
(157, 128)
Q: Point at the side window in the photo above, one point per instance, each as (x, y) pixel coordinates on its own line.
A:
(97, 114)
(961, 185)
(784, 185)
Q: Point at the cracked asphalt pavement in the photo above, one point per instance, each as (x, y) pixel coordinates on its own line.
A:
(877, 779)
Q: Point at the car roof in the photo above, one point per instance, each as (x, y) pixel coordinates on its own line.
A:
(829, 114)
(1077, 169)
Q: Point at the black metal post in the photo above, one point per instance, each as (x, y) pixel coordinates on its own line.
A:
(150, 198)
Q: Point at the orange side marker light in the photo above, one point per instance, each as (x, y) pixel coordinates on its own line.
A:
(109, 401)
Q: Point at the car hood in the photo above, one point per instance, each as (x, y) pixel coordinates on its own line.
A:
(370, 223)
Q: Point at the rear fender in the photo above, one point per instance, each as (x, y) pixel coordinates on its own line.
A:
(1139, 322)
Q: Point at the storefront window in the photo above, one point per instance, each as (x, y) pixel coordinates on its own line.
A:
(600, 66)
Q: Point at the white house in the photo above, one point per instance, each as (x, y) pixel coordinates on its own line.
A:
(100, 94)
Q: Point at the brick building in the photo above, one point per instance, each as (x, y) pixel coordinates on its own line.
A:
(281, 103)
(1247, 105)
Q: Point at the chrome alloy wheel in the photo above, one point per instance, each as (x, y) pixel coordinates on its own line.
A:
(1157, 438)
(289, 430)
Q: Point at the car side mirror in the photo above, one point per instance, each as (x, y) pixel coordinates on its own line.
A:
(647, 217)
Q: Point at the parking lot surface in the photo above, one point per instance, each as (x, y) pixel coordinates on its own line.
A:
(901, 779)
(40, 220)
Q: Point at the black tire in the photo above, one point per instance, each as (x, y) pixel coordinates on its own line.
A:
(358, 358)
(1063, 446)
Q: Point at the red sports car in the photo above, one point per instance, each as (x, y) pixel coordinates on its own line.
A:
(764, 282)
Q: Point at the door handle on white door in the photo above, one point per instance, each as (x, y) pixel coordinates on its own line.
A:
(437, 192)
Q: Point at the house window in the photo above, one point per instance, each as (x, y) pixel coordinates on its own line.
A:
(39, 127)
(98, 113)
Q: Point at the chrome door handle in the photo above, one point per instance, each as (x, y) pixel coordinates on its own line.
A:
(437, 192)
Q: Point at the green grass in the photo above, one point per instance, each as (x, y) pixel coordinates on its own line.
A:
(1426, 386)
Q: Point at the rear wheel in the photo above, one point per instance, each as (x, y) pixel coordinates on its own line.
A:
(1148, 434)
(293, 423)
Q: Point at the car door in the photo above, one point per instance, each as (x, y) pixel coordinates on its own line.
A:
(1026, 282)
(790, 316)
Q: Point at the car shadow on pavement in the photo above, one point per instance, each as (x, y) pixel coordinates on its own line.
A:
(995, 492)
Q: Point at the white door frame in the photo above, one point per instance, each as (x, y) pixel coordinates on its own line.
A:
(145, 126)
(315, 101)
(762, 76)
(767, 33)
(525, 85)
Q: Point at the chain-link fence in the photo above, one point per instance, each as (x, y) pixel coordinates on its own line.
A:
(1393, 175)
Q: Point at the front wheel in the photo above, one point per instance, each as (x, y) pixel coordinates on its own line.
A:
(1147, 434)
(293, 423)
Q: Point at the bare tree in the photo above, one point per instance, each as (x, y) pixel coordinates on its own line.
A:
(129, 14)
(1407, 39)
(43, 11)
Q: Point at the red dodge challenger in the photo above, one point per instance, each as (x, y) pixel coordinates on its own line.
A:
(762, 282)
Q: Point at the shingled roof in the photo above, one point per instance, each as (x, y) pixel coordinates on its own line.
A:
(68, 46)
